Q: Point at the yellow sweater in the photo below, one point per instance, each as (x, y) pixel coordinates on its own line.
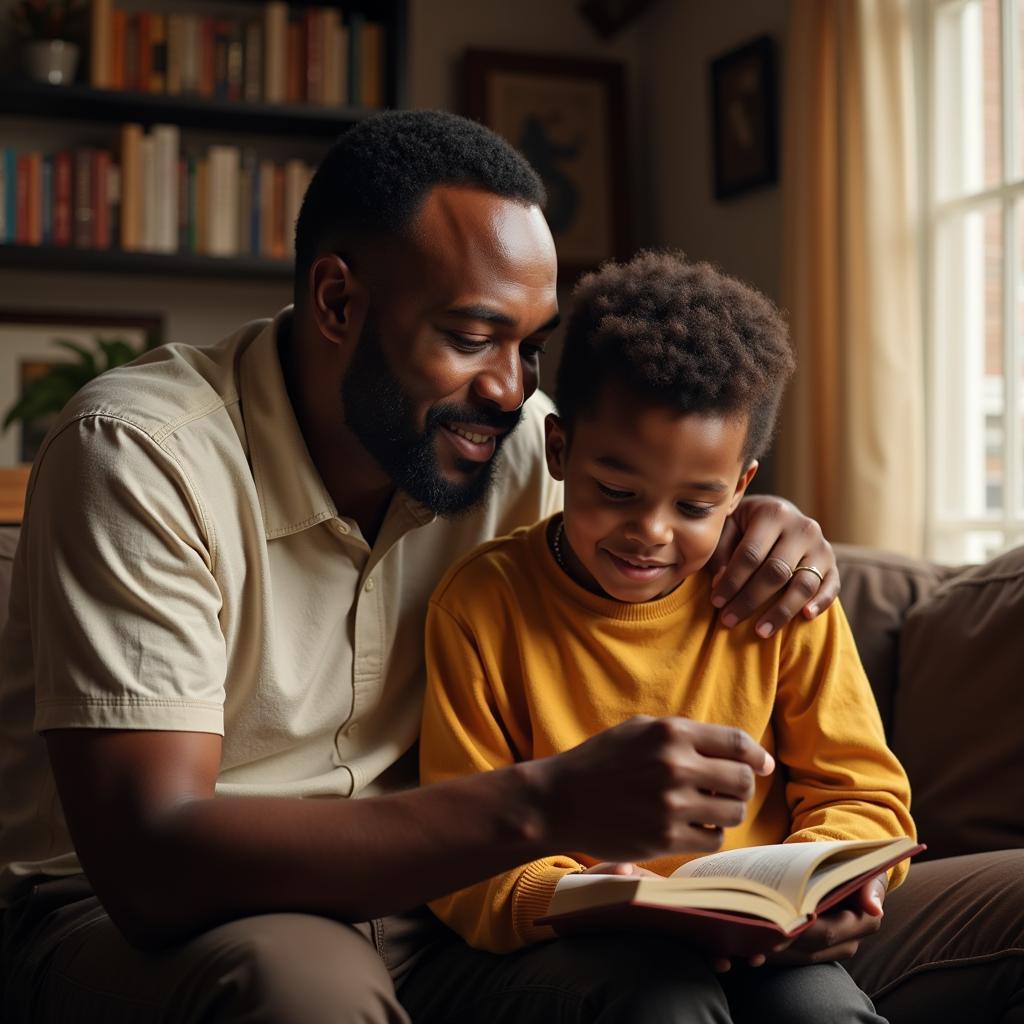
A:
(522, 663)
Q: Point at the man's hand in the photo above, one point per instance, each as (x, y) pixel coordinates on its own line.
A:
(647, 787)
(763, 543)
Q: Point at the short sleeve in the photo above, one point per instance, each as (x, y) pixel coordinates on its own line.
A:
(123, 603)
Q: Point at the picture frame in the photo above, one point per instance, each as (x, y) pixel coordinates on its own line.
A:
(744, 118)
(28, 347)
(567, 116)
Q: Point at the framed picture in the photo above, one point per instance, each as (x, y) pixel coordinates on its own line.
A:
(745, 118)
(567, 117)
(29, 349)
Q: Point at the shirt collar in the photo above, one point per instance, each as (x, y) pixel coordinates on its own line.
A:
(291, 493)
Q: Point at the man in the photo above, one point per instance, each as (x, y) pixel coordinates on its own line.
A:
(220, 589)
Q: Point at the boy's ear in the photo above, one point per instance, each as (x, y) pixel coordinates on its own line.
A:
(742, 484)
(555, 445)
(338, 300)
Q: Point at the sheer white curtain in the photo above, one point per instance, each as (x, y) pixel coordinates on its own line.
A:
(851, 448)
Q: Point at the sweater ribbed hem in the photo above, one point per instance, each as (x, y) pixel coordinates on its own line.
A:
(533, 892)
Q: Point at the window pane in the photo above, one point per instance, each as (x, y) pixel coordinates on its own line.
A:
(968, 82)
(968, 399)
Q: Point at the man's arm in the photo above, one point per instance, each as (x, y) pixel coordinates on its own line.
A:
(763, 543)
(168, 860)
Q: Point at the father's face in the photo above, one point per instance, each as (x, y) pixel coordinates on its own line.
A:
(450, 348)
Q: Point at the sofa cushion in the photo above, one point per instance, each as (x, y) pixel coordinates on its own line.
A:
(959, 709)
(879, 588)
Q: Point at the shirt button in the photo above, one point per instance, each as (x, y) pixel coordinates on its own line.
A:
(342, 528)
(369, 585)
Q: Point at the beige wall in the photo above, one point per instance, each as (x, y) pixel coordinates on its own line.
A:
(743, 234)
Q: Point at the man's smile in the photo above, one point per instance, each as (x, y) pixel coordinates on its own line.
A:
(471, 440)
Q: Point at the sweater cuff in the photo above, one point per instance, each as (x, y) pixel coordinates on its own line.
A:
(533, 891)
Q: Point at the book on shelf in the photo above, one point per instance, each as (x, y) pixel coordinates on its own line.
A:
(736, 903)
(148, 195)
(290, 54)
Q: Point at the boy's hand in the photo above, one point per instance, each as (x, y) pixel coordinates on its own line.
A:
(835, 935)
(620, 867)
(647, 787)
(763, 543)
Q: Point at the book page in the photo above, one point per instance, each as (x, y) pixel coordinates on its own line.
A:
(784, 867)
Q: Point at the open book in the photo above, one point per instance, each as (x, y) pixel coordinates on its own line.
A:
(735, 903)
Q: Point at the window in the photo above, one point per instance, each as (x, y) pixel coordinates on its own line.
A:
(973, 178)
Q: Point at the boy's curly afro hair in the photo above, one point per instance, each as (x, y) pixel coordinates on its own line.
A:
(678, 333)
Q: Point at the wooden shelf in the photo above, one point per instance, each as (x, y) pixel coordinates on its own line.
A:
(80, 102)
(114, 261)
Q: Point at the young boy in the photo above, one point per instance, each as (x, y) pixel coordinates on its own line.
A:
(667, 392)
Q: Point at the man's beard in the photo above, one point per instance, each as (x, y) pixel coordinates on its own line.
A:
(379, 412)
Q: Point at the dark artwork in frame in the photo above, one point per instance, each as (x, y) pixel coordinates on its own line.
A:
(744, 118)
(567, 116)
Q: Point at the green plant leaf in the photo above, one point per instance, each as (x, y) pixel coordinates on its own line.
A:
(87, 357)
(117, 351)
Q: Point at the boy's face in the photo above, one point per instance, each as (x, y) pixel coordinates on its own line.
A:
(647, 492)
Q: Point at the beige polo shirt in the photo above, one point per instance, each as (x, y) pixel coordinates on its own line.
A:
(183, 567)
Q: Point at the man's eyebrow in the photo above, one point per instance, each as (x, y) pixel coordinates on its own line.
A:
(711, 486)
(493, 316)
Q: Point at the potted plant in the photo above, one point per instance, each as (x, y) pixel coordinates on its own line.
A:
(46, 395)
(51, 31)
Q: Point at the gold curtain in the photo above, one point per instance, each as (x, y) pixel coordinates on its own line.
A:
(851, 445)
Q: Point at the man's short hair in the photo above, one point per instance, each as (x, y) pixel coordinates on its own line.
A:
(375, 176)
(680, 334)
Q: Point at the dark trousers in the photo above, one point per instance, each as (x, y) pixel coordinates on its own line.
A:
(951, 949)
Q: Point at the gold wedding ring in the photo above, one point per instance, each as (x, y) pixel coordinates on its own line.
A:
(810, 568)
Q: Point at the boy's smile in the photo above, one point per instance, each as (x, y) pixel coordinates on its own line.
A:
(647, 492)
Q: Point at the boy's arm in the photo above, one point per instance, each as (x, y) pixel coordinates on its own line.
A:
(464, 732)
(844, 782)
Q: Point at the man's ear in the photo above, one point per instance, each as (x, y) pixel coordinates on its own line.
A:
(338, 299)
(742, 484)
(555, 444)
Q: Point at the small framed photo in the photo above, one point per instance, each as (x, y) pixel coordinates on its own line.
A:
(744, 118)
(567, 117)
(29, 349)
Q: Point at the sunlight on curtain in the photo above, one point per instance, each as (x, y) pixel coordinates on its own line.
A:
(851, 447)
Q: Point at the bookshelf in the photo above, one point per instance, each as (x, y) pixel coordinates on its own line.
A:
(287, 128)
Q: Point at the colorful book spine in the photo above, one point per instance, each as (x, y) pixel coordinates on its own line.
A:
(101, 21)
(83, 213)
(46, 200)
(100, 199)
(63, 206)
(275, 51)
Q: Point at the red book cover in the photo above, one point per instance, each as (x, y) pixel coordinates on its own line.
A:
(34, 199)
(130, 74)
(21, 200)
(100, 199)
(295, 78)
(119, 32)
(208, 57)
(277, 246)
(62, 198)
(145, 52)
(314, 55)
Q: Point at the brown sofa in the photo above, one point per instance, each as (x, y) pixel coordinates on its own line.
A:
(944, 650)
